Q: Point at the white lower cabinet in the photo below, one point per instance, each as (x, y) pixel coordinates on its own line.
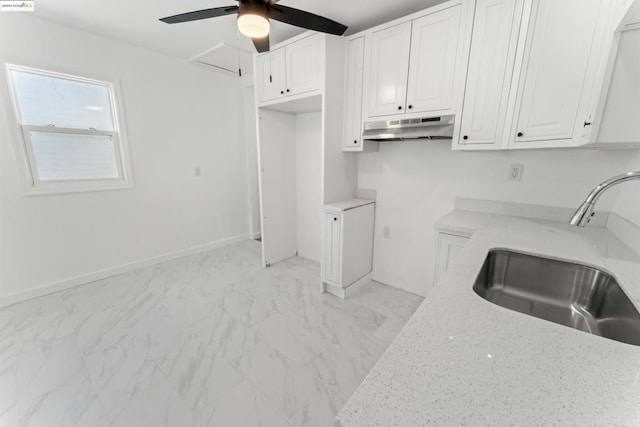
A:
(347, 247)
(332, 243)
(449, 246)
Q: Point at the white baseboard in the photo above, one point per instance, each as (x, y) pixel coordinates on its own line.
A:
(103, 274)
(349, 290)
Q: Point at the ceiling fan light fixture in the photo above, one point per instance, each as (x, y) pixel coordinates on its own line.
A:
(253, 25)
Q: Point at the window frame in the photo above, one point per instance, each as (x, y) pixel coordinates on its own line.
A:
(24, 148)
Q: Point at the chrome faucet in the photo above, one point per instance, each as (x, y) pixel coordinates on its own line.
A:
(585, 211)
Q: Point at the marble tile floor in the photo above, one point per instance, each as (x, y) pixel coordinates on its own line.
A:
(211, 339)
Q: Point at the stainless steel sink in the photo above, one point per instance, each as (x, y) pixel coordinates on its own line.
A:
(573, 295)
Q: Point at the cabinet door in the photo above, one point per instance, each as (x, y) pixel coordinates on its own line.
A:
(434, 49)
(491, 61)
(332, 248)
(357, 244)
(271, 79)
(449, 246)
(353, 95)
(303, 65)
(556, 57)
(388, 66)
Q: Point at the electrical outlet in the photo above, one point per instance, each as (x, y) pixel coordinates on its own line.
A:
(386, 231)
(515, 172)
(197, 171)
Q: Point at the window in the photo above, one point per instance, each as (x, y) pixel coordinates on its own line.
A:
(71, 136)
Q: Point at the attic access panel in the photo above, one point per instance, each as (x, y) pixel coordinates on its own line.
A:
(225, 57)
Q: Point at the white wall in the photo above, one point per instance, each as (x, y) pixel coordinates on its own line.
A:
(622, 109)
(309, 183)
(628, 200)
(417, 183)
(339, 167)
(621, 115)
(178, 116)
(251, 140)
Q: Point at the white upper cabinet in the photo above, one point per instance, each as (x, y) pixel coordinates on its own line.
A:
(515, 73)
(537, 73)
(415, 67)
(560, 45)
(493, 48)
(388, 66)
(352, 140)
(303, 65)
(270, 74)
(293, 69)
(434, 50)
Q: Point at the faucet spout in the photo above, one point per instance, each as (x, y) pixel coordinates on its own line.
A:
(583, 214)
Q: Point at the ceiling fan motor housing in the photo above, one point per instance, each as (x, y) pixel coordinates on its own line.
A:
(254, 7)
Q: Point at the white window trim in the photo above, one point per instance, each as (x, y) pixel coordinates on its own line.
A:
(22, 140)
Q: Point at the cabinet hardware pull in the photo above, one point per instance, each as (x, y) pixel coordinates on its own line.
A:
(355, 141)
(282, 92)
(288, 90)
(270, 78)
(335, 219)
(465, 137)
(520, 134)
(587, 124)
(410, 107)
(399, 107)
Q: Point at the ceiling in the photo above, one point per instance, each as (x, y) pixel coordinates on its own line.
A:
(137, 22)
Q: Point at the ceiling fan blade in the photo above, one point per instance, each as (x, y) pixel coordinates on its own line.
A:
(303, 19)
(261, 44)
(200, 14)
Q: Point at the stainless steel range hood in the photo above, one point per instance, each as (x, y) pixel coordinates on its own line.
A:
(399, 130)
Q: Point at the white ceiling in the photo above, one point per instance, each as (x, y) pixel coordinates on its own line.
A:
(137, 22)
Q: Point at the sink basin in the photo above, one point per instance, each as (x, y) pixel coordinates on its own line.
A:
(574, 295)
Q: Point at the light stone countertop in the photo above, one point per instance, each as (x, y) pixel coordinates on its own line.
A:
(462, 360)
(463, 222)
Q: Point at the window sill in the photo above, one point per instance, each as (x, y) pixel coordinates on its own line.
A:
(76, 187)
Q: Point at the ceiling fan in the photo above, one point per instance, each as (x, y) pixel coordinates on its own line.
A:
(254, 15)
